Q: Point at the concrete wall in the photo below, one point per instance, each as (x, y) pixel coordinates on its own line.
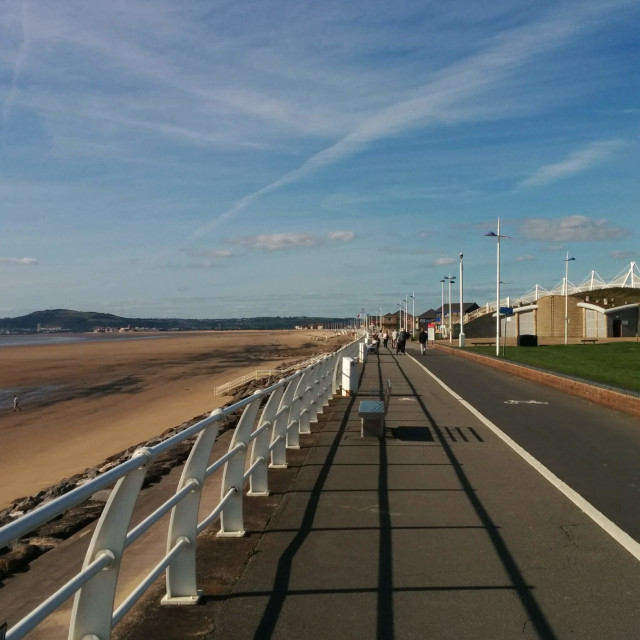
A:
(551, 317)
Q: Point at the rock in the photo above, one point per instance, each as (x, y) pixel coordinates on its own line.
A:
(20, 555)
(44, 543)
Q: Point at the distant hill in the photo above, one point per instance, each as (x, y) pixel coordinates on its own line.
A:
(82, 321)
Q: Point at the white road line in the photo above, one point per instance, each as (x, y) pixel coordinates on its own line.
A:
(622, 538)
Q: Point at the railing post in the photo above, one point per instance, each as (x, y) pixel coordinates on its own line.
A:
(304, 391)
(279, 435)
(181, 573)
(259, 480)
(231, 518)
(315, 387)
(336, 374)
(93, 603)
(327, 385)
(319, 392)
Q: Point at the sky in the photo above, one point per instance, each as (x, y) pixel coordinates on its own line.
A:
(248, 158)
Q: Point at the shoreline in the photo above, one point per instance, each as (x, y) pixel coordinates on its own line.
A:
(113, 394)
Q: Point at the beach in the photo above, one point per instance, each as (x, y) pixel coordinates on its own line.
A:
(83, 402)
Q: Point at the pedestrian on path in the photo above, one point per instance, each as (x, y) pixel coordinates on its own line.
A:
(422, 339)
(401, 341)
(394, 339)
(16, 404)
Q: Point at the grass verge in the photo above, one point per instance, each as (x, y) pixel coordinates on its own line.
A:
(613, 364)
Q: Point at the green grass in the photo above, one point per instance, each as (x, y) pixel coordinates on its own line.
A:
(614, 364)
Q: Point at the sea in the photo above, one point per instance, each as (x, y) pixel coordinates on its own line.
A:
(30, 396)
(56, 338)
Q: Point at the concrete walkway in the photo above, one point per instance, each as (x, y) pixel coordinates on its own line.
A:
(438, 530)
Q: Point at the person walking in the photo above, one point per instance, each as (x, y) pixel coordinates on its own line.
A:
(385, 338)
(422, 339)
(16, 404)
(401, 341)
(394, 339)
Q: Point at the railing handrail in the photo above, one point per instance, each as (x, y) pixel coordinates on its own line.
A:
(291, 404)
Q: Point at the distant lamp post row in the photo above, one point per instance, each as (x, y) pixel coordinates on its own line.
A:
(451, 279)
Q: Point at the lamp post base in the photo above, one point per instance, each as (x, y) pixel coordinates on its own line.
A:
(461, 340)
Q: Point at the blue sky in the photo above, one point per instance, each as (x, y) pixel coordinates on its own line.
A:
(229, 159)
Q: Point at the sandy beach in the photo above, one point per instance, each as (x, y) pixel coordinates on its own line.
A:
(85, 401)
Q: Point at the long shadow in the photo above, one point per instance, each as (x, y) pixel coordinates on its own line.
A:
(384, 622)
(536, 616)
(280, 591)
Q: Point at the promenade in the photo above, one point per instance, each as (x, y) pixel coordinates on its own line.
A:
(439, 530)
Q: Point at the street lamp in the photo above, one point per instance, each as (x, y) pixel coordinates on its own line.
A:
(497, 235)
(566, 296)
(450, 278)
(461, 337)
(406, 313)
(413, 312)
(442, 306)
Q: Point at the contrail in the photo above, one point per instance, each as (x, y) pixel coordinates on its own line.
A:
(21, 61)
(455, 85)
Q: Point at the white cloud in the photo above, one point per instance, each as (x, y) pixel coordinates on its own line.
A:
(441, 262)
(526, 258)
(570, 229)
(18, 260)
(576, 162)
(278, 241)
(342, 236)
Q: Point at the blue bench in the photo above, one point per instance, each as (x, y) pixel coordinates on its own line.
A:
(372, 414)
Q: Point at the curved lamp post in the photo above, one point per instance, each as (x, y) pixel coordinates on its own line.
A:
(497, 235)
(566, 297)
(461, 336)
(442, 307)
(413, 312)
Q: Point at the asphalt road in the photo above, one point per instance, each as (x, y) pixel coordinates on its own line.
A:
(596, 451)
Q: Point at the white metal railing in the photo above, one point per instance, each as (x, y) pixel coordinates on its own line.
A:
(290, 406)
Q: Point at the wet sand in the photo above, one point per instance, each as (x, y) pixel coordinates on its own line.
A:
(83, 402)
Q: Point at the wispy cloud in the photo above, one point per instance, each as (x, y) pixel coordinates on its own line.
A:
(447, 98)
(21, 58)
(570, 229)
(577, 161)
(207, 253)
(18, 260)
(624, 255)
(405, 251)
(526, 258)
